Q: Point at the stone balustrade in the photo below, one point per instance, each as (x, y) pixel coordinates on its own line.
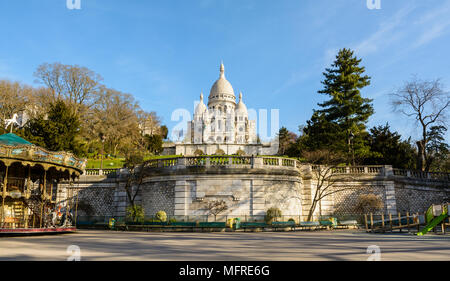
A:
(421, 174)
(274, 162)
(101, 172)
(223, 161)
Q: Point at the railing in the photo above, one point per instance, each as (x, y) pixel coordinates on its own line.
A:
(92, 172)
(241, 160)
(421, 174)
(288, 162)
(100, 172)
(270, 161)
(219, 161)
(196, 161)
(273, 162)
(370, 170)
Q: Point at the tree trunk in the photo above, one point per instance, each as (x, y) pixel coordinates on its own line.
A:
(311, 210)
(421, 155)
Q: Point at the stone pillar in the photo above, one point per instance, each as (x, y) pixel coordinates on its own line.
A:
(181, 163)
(306, 193)
(181, 198)
(391, 201)
(258, 202)
(120, 199)
(388, 170)
(257, 162)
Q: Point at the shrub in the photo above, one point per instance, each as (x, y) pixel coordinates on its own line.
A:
(172, 220)
(199, 152)
(369, 203)
(161, 216)
(135, 213)
(291, 219)
(272, 214)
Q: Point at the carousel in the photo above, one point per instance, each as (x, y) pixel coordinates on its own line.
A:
(29, 178)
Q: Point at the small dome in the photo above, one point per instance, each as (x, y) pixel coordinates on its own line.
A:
(221, 86)
(201, 107)
(241, 108)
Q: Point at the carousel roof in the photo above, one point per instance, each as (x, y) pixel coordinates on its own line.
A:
(16, 149)
(13, 140)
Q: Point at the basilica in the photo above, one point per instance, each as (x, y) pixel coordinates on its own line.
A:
(222, 127)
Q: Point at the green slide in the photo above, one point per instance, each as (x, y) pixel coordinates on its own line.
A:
(435, 221)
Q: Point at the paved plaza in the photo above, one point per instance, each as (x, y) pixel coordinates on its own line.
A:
(225, 246)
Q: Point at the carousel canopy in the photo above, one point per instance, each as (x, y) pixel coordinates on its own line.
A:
(13, 140)
(16, 149)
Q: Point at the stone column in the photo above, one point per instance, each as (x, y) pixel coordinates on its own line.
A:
(257, 162)
(388, 170)
(258, 202)
(181, 163)
(181, 198)
(391, 201)
(306, 193)
(120, 199)
(306, 190)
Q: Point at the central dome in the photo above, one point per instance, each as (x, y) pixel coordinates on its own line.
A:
(221, 89)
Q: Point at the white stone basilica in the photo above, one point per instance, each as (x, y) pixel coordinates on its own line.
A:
(222, 127)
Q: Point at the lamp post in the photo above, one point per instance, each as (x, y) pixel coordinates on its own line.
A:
(353, 151)
(103, 151)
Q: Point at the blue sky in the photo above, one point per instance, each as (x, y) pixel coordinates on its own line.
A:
(166, 52)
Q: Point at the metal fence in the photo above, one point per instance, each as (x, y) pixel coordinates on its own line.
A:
(204, 218)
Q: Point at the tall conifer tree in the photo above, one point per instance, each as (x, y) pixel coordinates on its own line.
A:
(340, 123)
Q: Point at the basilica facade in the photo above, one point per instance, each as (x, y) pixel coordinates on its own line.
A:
(222, 126)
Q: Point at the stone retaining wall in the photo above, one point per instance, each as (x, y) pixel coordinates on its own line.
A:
(181, 187)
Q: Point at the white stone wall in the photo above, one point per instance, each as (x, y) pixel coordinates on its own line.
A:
(251, 191)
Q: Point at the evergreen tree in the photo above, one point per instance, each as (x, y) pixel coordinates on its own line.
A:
(438, 151)
(58, 131)
(154, 143)
(164, 131)
(387, 148)
(286, 139)
(340, 123)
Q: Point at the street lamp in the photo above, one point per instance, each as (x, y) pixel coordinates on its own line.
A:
(103, 138)
(351, 137)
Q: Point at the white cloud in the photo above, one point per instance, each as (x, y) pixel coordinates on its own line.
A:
(431, 25)
(295, 78)
(435, 23)
(388, 32)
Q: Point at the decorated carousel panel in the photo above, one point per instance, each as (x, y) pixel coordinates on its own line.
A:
(29, 177)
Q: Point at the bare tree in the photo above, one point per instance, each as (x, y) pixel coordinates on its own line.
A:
(324, 165)
(114, 118)
(216, 207)
(13, 98)
(428, 104)
(134, 163)
(74, 84)
(149, 122)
